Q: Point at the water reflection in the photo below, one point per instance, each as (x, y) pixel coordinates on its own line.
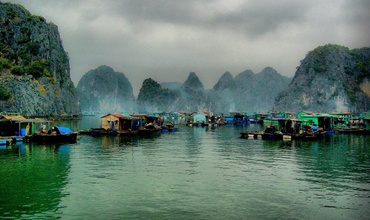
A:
(117, 141)
(32, 179)
(338, 157)
(193, 139)
(199, 173)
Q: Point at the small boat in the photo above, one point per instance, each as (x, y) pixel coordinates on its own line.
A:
(55, 134)
(360, 131)
(271, 133)
(306, 136)
(149, 129)
(102, 131)
(168, 127)
(4, 142)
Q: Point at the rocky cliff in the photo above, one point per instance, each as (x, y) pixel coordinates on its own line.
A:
(104, 90)
(34, 68)
(330, 78)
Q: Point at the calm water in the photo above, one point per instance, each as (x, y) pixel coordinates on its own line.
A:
(196, 173)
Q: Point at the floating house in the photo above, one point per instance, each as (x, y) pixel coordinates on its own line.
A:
(236, 118)
(18, 125)
(119, 122)
(196, 119)
(262, 117)
(341, 119)
(172, 117)
(325, 121)
(111, 121)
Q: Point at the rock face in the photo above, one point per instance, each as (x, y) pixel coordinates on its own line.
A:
(34, 68)
(104, 90)
(330, 78)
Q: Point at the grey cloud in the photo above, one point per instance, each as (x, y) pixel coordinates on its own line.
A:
(357, 13)
(252, 18)
(167, 39)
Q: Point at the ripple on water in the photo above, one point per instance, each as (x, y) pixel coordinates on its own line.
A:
(195, 173)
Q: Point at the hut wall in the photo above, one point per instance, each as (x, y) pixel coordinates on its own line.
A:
(106, 122)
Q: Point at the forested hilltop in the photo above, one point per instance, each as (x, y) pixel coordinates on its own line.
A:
(330, 78)
(34, 68)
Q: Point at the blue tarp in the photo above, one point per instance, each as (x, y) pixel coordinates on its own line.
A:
(64, 130)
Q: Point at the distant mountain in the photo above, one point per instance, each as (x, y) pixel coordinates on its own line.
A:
(104, 90)
(193, 83)
(221, 98)
(247, 92)
(34, 68)
(257, 92)
(153, 98)
(330, 78)
(225, 82)
(193, 95)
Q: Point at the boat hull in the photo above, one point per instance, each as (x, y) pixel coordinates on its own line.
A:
(53, 138)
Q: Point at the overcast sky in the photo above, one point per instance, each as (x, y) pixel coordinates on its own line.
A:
(166, 40)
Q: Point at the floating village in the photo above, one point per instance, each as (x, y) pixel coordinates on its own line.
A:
(305, 125)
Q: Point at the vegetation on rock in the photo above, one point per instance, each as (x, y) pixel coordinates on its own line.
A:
(329, 79)
(31, 49)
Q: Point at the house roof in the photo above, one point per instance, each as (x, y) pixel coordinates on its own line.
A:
(13, 117)
(139, 115)
(341, 113)
(115, 115)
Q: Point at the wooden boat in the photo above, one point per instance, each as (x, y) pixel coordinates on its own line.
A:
(306, 136)
(168, 127)
(271, 133)
(54, 135)
(102, 131)
(149, 129)
(359, 131)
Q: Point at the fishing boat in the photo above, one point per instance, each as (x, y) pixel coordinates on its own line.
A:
(56, 134)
